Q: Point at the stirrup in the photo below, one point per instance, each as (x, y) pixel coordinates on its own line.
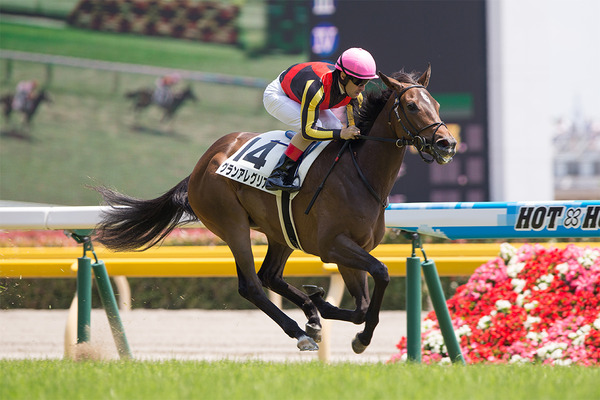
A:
(274, 186)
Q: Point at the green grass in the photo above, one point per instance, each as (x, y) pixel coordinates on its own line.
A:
(50, 8)
(87, 134)
(46, 379)
(252, 19)
(129, 48)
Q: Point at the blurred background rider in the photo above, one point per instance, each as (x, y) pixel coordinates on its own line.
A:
(163, 93)
(24, 93)
(303, 97)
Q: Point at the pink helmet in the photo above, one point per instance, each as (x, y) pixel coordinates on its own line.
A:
(357, 62)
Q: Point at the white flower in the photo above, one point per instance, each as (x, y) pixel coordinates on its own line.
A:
(556, 354)
(507, 251)
(562, 268)
(584, 329)
(544, 282)
(536, 336)
(530, 306)
(521, 297)
(503, 305)
(513, 269)
(565, 362)
(434, 341)
(427, 324)
(484, 322)
(553, 350)
(530, 321)
(464, 330)
(515, 358)
(596, 324)
(518, 284)
(579, 337)
(588, 258)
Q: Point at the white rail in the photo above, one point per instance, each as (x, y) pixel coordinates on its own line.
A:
(485, 220)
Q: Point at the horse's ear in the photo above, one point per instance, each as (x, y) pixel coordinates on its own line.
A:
(424, 79)
(389, 82)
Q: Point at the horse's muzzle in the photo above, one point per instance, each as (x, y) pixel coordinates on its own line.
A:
(444, 149)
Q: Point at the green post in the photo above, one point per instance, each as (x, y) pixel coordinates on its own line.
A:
(84, 299)
(413, 308)
(9, 70)
(441, 311)
(84, 294)
(49, 75)
(107, 295)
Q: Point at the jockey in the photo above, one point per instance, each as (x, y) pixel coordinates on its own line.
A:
(163, 96)
(23, 94)
(303, 97)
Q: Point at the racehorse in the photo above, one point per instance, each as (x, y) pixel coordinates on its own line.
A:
(30, 106)
(345, 224)
(143, 98)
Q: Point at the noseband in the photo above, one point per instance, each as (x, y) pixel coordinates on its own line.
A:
(414, 139)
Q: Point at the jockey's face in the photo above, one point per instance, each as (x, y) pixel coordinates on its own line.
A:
(355, 86)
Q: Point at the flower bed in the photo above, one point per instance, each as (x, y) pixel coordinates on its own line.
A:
(531, 305)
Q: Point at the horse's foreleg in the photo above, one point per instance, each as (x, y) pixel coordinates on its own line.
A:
(356, 283)
(271, 276)
(381, 277)
(352, 256)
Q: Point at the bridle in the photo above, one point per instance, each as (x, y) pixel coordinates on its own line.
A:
(414, 139)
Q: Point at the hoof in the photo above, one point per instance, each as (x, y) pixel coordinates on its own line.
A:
(357, 345)
(307, 344)
(314, 331)
(312, 290)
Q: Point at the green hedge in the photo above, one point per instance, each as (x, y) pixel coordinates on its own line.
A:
(176, 293)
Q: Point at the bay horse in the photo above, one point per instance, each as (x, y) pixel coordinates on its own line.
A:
(142, 98)
(30, 106)
(345, 224)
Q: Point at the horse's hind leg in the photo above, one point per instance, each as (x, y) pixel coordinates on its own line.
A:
(250, 286)
(271, 275)
(354, 262)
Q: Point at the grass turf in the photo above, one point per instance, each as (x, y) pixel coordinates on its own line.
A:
(47, 379)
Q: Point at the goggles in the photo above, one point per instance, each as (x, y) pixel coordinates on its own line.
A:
(358, 81)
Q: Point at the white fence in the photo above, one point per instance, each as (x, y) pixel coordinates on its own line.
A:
(485, 220)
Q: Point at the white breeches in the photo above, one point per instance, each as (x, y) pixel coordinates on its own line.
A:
(279, 105)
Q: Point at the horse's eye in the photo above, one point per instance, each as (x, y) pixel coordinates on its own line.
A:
(412, 107)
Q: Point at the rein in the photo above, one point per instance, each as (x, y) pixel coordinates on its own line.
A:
(415, 139)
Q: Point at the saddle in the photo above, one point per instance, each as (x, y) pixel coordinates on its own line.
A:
(252, 164)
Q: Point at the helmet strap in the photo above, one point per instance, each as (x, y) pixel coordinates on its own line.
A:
(343, 82)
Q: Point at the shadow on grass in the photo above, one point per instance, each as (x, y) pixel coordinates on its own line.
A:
(18, 134)
(154, 131)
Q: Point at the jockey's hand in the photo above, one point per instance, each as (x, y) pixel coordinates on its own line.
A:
(349, 132)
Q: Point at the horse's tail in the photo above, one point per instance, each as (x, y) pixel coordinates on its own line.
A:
(131, 224)
(133, 94)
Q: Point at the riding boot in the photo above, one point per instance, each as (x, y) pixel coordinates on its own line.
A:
(282, 177)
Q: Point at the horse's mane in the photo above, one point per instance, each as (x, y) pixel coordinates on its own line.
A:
(374, 101)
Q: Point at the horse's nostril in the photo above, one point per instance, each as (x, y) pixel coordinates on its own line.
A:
(445, 145)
